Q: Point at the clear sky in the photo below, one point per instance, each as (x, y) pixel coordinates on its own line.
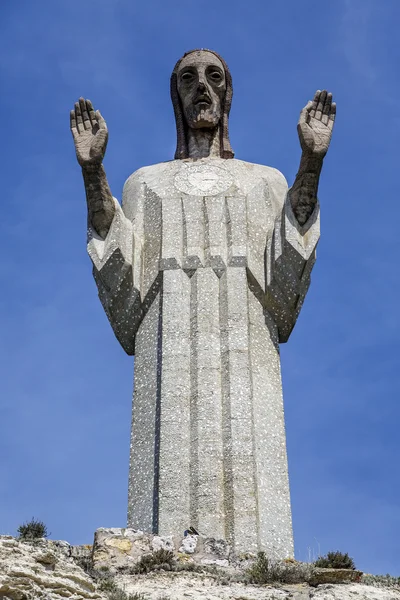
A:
(66, 384)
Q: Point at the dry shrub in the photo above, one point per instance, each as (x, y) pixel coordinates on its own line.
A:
(335, 560)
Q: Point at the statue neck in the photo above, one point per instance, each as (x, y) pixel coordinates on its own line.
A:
(203, 143)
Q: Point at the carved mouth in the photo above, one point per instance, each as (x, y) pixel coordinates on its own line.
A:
(203, 100)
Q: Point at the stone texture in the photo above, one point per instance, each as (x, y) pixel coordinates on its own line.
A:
(121, 548)
(44, 570)
(320, 576)
(118, 548)
(189, 544)
(208, 440)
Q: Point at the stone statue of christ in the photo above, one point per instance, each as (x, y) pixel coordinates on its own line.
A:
(202, 273)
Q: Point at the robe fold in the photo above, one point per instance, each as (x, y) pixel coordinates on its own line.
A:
(202, 274)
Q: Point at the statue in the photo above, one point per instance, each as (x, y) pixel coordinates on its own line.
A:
(202, 273)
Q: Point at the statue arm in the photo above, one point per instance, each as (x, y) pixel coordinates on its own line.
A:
(290, 257)
(100, 203)
(110, 234)
(303, 193)
(292, 248)
(90, 134)
(315, 130)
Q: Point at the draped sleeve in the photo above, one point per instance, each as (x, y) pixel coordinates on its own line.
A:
(113, 260)
(289, 261)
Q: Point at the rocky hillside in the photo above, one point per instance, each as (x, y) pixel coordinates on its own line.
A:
(43, 570)
(127, 565)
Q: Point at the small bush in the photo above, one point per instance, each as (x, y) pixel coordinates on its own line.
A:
(265, 571)
(335, 560)
(161, 559)
(260, 571)
(108, 585)
(33, 530)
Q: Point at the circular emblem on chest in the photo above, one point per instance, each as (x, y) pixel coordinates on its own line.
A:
(202, 179)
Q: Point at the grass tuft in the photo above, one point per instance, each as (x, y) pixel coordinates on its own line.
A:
(265, 570)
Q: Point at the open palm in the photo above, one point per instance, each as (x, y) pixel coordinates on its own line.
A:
(90, 133)
(316, 124)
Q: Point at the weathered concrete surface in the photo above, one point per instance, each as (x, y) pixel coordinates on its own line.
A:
(203, 272)
(44, 570)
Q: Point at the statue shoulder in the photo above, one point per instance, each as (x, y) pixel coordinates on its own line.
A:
(274, 180)
(149, 176)
(272, 175)
(145, 174)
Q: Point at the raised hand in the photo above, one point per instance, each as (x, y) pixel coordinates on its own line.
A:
(316, 124)
(90, 133)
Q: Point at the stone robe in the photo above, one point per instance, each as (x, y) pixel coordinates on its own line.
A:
(202, 274)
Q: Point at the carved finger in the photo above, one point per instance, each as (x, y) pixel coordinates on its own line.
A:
(100, 120)
(315, 103)
(85, 116)
(305, 114)
(328, 104)
(91, 113)
(327, 109)
(321, 103)
(73, 125)
(332, 116)
(78, 115)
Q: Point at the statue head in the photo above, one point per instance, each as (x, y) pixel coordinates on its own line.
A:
(201, 92)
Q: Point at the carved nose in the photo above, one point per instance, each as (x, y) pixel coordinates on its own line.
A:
(201, 86)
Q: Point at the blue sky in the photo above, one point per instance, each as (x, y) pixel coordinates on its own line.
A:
(66, 384)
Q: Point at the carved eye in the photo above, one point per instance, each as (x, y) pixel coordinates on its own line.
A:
(216, 76)
(187, 77)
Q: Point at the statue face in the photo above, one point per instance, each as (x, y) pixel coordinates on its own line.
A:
(201, 88)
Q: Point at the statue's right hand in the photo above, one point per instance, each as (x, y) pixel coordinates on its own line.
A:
(90, 133)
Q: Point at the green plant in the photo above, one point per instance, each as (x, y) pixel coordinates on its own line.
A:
(32, 530)
(161, 559)
(265, 570)
(335, 560)
(260, 572)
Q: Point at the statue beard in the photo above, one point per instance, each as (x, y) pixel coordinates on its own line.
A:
(199, 117)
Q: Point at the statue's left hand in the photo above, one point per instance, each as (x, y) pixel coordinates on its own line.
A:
(316, 123)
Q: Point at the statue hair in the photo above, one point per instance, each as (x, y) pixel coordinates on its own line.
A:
(182, 150)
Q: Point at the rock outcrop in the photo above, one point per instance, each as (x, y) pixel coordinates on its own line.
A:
(198, 569)
(43, 570)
